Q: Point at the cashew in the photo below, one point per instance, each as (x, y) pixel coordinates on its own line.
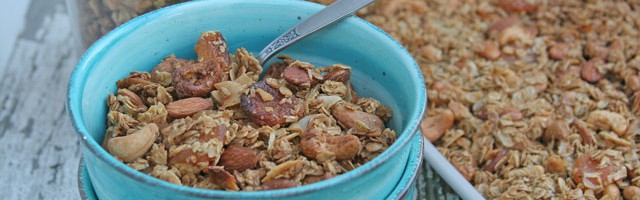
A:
(631, 193)
(435, 126)
(130, 147)
(611, 192)
(323, 147)
(607, 120)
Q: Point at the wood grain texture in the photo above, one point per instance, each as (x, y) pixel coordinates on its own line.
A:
(39, 151)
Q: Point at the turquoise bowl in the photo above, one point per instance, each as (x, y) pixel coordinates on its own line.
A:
(382, 69)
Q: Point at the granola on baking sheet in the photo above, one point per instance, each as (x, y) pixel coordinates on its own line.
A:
(528, 99)
(213, 123)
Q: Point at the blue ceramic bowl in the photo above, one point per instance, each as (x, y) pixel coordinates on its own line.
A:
(382, 69)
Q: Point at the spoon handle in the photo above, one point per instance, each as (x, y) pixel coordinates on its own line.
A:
(332, 13)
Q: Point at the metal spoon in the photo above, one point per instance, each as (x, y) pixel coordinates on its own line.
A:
(329, 15)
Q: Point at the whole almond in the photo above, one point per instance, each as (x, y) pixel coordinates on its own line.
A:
(133, 97)
(559, 51)
(593, 50)
(589, 71)
(238, 158)
(361, 121)
(188, 106)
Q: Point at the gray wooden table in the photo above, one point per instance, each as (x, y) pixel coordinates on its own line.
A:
(39, 150)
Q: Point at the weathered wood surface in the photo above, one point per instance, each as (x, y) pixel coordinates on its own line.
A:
(39, 152)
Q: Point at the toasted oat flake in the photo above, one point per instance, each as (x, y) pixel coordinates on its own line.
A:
(569, 68)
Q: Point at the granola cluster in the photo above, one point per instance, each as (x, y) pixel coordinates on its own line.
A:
(212, 123)
(528, 99)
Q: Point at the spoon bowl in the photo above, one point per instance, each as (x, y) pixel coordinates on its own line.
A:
(329, 15)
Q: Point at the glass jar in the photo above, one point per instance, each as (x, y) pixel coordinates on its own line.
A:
(94, 18)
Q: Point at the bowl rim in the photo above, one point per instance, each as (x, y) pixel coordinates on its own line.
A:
(77, 80)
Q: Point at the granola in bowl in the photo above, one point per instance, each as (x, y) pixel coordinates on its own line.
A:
(528, 98)
(213, 123)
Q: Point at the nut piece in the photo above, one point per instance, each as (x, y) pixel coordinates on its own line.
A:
(223, 178)
(238, 158)
(432, 53)
(288, 168)
(169, 64)
(501, 24)
(558, 130)
(607, 120)
(323, 147)
(188, 107)
(312, 179)
(133, 97)
(511, 113)
(275, 70)
(497, 160)
(337, 72)
(592, 174)
(163, 173)
(631, 192)
(589, 71)
(459, 110)
(489, 50)
(611, 192)
(212, 46)
(515, 33)
(435, 126)
(228, 93)
(270, 113)
(555, 164)
(593, 50)
(130, 147)
(559, 51)
(349, 118)
(586, 134)
(279, 184)
(517, 6)
(632, 82)
(297, 73)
